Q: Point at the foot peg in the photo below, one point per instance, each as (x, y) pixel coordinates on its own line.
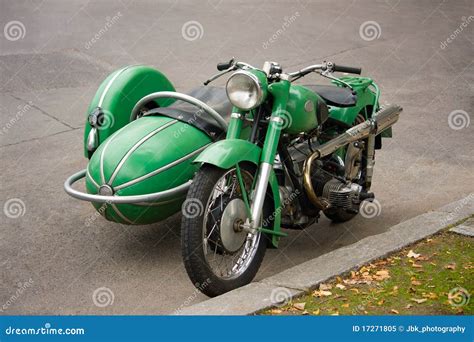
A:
(366, 196)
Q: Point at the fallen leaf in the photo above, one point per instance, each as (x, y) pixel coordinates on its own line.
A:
(299, 306)
(355, 290)
(413, 255)
(316, 312)
(415, 265)
(394, 311)
(418, 301)
(339, 279)
(430, 295)
(335, 314)
(381, 275)
(416, 282)
(380, 302)
(451, 266)
(408, 306)
(340, 286)
(305, 312)
(345, 305)
(276, 311)
(325, 287)
(322, 293)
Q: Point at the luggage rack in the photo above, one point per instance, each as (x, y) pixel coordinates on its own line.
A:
(151, 197)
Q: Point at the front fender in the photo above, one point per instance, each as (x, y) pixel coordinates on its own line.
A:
(228, 153)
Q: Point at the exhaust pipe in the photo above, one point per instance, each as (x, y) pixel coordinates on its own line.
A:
(384, 118)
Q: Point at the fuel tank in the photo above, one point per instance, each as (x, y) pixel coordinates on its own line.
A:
(303, 106)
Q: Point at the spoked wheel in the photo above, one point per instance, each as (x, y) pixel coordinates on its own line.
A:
(219, 255)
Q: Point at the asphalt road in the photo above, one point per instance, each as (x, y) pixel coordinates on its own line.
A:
(53, 56)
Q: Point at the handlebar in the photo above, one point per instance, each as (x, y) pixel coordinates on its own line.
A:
(350, 70)
(225, 65)
(326, 69)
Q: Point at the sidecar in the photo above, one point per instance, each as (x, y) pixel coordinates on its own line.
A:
(141, 137)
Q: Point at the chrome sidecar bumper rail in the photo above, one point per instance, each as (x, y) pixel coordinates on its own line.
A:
(153, 197)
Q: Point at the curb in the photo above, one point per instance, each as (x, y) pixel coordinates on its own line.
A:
(301, 278)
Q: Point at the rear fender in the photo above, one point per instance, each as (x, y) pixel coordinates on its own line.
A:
(228, 153)
(118, 94)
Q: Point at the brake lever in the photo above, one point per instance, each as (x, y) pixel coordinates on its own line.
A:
(327, 73)
(219, 74)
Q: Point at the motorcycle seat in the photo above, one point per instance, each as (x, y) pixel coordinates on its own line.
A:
(335, 96)
(215, 97)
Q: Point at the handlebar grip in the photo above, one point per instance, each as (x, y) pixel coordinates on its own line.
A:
(350, 70)
(223, 66)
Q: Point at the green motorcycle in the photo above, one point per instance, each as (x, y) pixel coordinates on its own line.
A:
(240, 163)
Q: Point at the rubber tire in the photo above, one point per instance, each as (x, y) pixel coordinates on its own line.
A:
(191, 241)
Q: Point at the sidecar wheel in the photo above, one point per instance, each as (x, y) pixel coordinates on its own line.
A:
(217, 259)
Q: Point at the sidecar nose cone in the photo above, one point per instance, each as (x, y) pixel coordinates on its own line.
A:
(106, 190)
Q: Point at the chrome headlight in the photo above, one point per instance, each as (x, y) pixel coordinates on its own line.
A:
(244, 90)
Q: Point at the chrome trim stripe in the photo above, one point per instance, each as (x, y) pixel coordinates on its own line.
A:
(102, 175)
(161, 169)
(154, 204)
(137, 145)
(120, 214)
(88, 174)
(107, 87)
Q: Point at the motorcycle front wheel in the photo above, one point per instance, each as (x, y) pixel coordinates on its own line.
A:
(218, 254)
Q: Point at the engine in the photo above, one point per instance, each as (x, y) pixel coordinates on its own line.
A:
(331, 186)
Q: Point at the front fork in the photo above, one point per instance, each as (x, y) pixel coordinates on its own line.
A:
(279, 118)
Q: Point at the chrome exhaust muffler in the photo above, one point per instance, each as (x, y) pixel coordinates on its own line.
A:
(384, 118)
